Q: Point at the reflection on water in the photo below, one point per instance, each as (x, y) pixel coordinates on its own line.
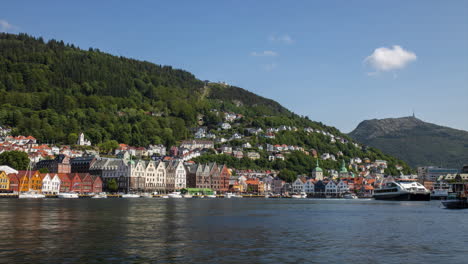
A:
(230, 231)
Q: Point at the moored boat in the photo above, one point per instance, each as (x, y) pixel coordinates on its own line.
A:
(211, 196)
(31, 195)
(174, 195)
(350, 196)
(299, 196)
(187, 195)
(99, 196)
(402, 190)
(130, 195)
(68, 195)
(455, 201)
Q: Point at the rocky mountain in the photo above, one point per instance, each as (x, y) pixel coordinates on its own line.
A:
(417, 142)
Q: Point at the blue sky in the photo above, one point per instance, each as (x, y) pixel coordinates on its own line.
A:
(338, 62)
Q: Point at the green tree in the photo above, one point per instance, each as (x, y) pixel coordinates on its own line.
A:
(108, 146)
(16, 159)
(287, 175)
(112, 185)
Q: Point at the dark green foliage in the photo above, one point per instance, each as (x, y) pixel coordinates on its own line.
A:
(18, 160)
(43, 170)
(112, 185)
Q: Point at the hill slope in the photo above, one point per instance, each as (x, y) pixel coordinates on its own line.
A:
(54, 91)
(417, 142)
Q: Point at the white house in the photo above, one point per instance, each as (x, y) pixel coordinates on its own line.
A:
(51, 184)
(226, 126)
(331, 188)
(309, 186)
(298, 185)
(342, 187)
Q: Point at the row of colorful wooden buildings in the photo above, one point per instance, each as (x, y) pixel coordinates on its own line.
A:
(49, 183)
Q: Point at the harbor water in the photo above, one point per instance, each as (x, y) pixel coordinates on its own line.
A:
(230, 231)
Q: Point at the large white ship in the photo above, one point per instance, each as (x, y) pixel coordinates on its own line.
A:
(402, 190)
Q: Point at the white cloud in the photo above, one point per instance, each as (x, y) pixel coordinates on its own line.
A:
(265, 53)
(5, 26)
(387, 59)
(285, 39)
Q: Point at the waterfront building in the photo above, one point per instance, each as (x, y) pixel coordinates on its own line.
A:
(430, 173)
(65, 182)
(150, 176)
(180, 176)
(309, 186)
(29, 180)
(137, 176)
(317, 172)
(252, 185)
(298, 185)
(160, 176)
(75, 182)
(50, 183)
(97, 184)
(331, 189)
(277, 185)
(61, 164)
(4, 182)
(214, 176)
(342, 187)
(13, 182)
(224, 176)
(196, 176)
(111, 169)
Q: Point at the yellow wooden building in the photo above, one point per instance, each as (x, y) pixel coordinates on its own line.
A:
(29, 180)
(4, 182)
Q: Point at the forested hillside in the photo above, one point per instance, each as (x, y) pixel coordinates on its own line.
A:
(54, 91)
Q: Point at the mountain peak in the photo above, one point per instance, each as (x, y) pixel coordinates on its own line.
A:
(417, 142)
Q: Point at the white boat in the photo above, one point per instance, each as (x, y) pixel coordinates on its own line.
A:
(146, 195)
(187, 195)
(299, 196)
(402, 190)
(31, 195)
(175, 195)
(237, 196)
(68, 195)
(130, 195)
(99, 196)
(211, 196)
(165, 196)
(228, 195)
(350, 196)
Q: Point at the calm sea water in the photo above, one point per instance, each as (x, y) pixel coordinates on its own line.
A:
(230, 231)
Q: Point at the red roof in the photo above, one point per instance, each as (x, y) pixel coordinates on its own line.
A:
(252, 181)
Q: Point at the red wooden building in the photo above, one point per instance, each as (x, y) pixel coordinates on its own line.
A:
(86, 182)
(65, 182)
(14, 182)
(75, 181)
(97, 184)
